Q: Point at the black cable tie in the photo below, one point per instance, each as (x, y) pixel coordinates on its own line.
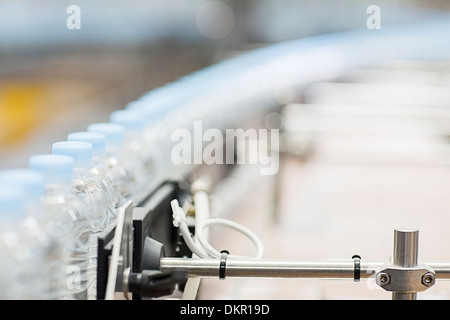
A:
(357, 268)
(223, 264)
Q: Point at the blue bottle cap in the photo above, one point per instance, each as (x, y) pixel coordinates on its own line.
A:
(12, 202)
(98, 141)
(131, 120)
(56, 168)
(30, 181)
(115, 133)
(81, 151)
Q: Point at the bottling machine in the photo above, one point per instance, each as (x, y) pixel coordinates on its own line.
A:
(147, 255)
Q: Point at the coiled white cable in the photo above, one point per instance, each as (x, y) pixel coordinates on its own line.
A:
(204, 249)
(227, 223)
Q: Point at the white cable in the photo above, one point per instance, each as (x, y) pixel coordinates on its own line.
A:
(228, 223)
(204, 248)
(179, 221)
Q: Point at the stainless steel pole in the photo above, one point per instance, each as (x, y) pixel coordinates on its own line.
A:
(406, 249)
(209, 268)
(235, 268)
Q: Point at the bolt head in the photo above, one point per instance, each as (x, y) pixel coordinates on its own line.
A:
(383, 279)
(428, 279)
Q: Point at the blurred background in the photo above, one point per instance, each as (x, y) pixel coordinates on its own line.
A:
(55, 79)
(350, 184)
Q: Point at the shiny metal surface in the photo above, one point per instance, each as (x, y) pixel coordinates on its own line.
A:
(209, 268)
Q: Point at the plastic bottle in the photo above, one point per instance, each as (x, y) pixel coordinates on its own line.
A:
(32, 183)
(104, 177)
(115, 160)
(142, 154)
(38, 243)
(91, 195)
(70, 223)
(156, 134)
(12, 284)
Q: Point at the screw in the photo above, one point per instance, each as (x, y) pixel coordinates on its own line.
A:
(428, 279)
(383, 279)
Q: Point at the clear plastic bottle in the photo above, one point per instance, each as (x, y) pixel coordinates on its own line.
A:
(140, 153)
(38, 243)
(91, 195)
(156, 133)
(115, 160)
(12, 284)
(32, 183)
(69, 224)
(100, 171)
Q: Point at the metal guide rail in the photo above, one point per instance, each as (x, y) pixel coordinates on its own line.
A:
(156, 268)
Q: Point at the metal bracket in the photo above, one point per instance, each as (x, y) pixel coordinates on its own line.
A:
(406, 280)
(405, 276)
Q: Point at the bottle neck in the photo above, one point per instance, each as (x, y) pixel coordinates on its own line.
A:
(57, 189)
(114, 152)
(134, 135)
(82, 172)
(98, 162)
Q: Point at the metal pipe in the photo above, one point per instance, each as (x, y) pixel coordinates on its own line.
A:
(209, 268)
(268, 268)
(406, 249)
(441, 269)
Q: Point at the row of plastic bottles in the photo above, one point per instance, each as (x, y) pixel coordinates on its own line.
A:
(52, 212)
